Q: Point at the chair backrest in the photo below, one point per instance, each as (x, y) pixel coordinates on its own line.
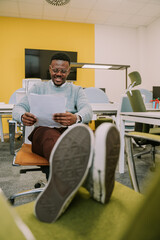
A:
(137, 103)
(136, 80)
(148, 95)
(19, 93)
(136, 100)
(125, 106)
(135, 77)
(13, 98)
(96, 95)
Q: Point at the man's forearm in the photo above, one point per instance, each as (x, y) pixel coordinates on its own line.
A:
(17, 113)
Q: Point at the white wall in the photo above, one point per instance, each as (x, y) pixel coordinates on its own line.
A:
(139, 48)
(114, 45)
(153, 58)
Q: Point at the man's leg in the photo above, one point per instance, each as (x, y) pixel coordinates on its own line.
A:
(101, 176)
(43, 139)
(70, 161)
(66, 165)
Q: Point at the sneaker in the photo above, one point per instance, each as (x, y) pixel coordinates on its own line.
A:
(101, 176)
(70, 161)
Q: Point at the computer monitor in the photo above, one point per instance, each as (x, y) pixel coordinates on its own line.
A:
(37, 63)
(156, 92)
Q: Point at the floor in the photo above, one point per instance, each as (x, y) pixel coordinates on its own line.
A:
(11, 181)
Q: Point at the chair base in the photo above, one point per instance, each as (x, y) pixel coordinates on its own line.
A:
(138, 155)
(38, 188)
(32, 191)
(25, 157)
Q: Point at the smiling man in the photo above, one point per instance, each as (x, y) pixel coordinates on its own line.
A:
(74, 155)
(78, 109)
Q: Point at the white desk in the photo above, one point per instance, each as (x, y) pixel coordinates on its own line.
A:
(141, 117)
(5, 109)
(104, 108)
(98, 108)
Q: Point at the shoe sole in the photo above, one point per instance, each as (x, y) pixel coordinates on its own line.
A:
(107, 148)
(70, 160)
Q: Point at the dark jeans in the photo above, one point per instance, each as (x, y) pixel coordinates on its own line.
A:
(43, 139)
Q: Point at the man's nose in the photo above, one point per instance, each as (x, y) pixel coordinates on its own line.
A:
(59, 72)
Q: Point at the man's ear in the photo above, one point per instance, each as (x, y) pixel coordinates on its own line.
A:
(50, 69)
(68, 71)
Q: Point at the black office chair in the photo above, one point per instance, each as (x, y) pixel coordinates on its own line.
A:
(25, 157)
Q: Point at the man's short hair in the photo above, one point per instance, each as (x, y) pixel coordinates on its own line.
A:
(61, 56)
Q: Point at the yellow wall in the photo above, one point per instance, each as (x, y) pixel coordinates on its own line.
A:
(18, 34)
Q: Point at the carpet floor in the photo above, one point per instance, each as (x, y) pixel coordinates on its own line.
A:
(11, 181)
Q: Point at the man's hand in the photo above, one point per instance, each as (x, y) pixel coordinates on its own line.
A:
(28, 119)
(65, 119)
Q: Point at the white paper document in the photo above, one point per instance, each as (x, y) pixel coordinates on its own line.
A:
(44, 106)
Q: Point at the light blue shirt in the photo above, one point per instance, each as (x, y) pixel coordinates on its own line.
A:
(76, 100)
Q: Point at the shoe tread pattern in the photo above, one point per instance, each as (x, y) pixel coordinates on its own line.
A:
(68, 168)
(113, 148)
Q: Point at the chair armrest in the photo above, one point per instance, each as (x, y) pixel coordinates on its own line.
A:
(12, 133)
(12, 125)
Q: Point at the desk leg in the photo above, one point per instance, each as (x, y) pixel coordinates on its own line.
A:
(12, 136)
(122, 147)
(1, 130)
(131, 164)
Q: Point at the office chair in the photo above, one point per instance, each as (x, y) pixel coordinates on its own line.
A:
(135, 78)
(13, 97)
(25, 157)
(96, 95)
(138, 105)
(153, 139)
(143, 134)
(125, 106)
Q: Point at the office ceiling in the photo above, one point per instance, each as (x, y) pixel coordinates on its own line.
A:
(127, 13)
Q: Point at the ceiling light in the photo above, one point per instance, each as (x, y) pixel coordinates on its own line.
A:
(94, 66)
(58, 2)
